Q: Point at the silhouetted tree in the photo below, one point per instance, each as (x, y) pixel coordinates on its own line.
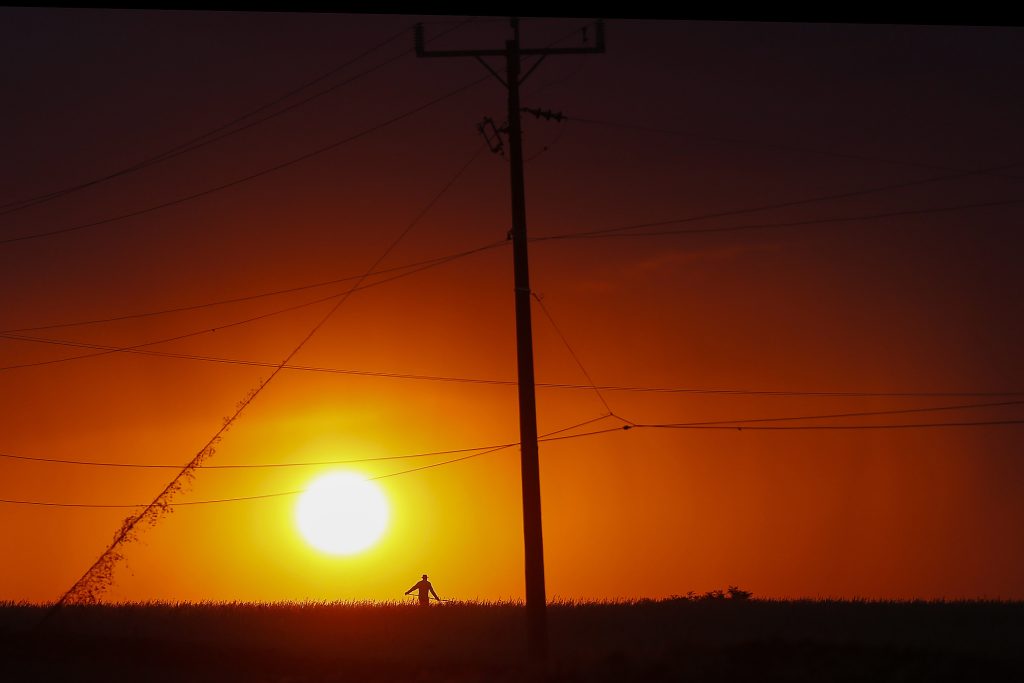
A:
(737, 593)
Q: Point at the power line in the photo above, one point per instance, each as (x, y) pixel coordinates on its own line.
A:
(627, 427)
(499, 448)
(986, 423)
(600, 233)
(494, 449)
(94, 463)
(771, 145)
(251, 297)
(251, 176)
(138, 348)
(226, 130)
(178, 466)
(240, 498)
(866, 413)
(787, 204)
(105, 350)
(565, 341)
(752, 392)
(513, 383)
(216, 133)
(621, 231)
(550, 436)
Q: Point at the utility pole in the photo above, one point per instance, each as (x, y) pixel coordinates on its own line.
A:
(536, 599)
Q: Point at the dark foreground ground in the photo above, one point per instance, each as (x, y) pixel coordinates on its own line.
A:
(714, 640)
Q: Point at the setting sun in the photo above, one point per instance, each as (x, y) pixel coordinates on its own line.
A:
(342, 513)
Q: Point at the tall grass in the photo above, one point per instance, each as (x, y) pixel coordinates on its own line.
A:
(620, 640)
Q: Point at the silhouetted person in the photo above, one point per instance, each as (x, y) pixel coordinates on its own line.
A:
(426, 590)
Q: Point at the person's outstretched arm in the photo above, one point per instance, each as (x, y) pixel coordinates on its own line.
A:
(434, 593)
(410, 590)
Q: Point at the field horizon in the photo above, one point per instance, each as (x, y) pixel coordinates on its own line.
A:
(512, 602)
(653, 640)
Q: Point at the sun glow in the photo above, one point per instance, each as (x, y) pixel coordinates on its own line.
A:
(342, 513)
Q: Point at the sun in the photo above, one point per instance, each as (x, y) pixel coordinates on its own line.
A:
(342, 513)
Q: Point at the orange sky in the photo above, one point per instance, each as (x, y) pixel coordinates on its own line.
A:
(909, 303)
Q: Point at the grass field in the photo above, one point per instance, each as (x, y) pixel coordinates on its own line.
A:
(670, 640)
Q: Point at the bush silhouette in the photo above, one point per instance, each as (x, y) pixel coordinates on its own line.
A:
(737, 593)
(731, 593)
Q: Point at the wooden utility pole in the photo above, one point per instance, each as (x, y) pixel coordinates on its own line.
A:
(536, 599)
